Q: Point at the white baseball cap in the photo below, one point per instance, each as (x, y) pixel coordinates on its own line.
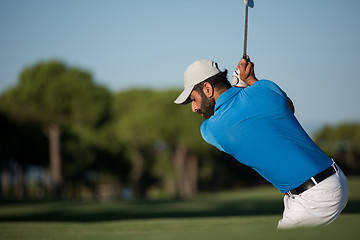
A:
(196, 73)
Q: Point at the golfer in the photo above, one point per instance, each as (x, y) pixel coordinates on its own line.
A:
(255, 123)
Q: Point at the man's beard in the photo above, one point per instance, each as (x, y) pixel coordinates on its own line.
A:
(207, 106)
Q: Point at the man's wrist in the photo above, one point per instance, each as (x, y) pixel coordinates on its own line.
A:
(251, 80)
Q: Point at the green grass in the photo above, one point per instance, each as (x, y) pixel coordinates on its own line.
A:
(243, 214)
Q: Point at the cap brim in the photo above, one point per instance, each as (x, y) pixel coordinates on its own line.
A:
(184, 96)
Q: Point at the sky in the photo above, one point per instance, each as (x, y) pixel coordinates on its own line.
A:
(309, 48)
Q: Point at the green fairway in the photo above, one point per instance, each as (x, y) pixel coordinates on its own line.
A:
(243, 214)
(253, 227)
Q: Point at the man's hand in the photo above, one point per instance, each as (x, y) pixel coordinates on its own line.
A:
(237, 82)
(247, 73)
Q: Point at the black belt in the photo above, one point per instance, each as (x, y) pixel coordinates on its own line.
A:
(317, 178)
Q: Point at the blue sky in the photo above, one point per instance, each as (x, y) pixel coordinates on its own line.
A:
(310, 48)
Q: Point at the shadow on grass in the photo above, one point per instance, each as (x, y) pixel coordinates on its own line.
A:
(97, 212)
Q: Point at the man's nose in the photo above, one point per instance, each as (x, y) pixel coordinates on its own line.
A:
(194, 106)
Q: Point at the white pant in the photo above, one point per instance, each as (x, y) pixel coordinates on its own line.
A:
(318, 205)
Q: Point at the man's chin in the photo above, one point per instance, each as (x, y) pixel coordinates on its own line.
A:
(206, 116)
(201, 114)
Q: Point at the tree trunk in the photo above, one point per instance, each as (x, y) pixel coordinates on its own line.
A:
(5, 180)
(192, 174)
(186, 169)
(19, 181)
(55, 158)
(137, 166)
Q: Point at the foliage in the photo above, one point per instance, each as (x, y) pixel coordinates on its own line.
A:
(24, 143)
(56, 98)
(343, 143)
(148, 116)
(51, 93)
(151, 126)
(136, 139)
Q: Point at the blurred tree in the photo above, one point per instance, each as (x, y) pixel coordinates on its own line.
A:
(130, 128)
(343, 144)
(55, 97)
(178, 127)
(163, 139)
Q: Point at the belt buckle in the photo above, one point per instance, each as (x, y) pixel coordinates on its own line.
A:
(291, 193)
(335, 167)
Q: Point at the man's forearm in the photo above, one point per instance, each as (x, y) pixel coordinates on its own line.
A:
(250, 80)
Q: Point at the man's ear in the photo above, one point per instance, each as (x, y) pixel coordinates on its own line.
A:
(208, 90)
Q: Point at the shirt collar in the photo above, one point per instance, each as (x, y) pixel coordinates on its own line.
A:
(224, 97)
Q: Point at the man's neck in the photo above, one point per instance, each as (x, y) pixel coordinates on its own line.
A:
(217, 93)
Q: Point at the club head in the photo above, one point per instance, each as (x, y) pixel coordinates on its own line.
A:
(250, 3)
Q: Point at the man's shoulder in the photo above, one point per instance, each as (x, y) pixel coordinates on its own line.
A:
(267, 84)
(208, 129)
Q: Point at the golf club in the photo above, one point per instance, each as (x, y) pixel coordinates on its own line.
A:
(248, 3)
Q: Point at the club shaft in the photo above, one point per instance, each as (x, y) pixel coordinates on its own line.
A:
(246, 29)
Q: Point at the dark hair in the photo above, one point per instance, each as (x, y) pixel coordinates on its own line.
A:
(219, 81)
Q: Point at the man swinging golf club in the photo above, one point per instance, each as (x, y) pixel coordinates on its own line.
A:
(255, 123)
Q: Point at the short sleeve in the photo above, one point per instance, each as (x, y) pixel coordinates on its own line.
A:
(208, 137)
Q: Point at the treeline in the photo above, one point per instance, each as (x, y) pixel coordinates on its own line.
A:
(342, 143)
(64, 136)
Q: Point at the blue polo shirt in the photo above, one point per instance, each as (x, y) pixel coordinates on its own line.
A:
(256, 126)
